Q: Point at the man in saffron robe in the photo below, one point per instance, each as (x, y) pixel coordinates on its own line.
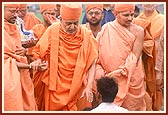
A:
(120, 46)
(71, 52)
(152, 22)
(18, 86)
(49, 16)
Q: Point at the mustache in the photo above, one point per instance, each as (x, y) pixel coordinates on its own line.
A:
(93, 18)
(13, 17)
(129, 21)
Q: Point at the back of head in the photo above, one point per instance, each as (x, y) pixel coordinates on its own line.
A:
(150, 8)
(71, 11)
(108, 88)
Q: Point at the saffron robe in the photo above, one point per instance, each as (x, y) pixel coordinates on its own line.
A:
(69, 57)
(18, 86)
(115, 45)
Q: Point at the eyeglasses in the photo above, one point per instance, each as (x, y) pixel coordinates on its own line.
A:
(13, 11)
(96, 13)
(50, 13)
(22, 11)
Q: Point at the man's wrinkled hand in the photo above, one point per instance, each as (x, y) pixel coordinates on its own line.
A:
(37, 65)
(29, 43)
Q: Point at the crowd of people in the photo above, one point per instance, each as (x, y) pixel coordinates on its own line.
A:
(112, 62)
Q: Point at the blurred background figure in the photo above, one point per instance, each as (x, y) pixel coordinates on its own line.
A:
(136, 11)
(159, 68)
(29, 18)
(108, 13)
(58, 6)
(152, 22)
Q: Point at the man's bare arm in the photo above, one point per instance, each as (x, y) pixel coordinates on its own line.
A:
(138, 44)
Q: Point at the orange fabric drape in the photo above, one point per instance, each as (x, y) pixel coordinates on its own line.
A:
(153, 26)
(148, 56)
(156, 21)
(115, 50)
(30, 20)
(38, 30)
(18, 86)
(70, 58)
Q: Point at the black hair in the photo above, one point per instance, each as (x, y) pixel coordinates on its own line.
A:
(137, 8)
(87, 109)
(108, 88)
